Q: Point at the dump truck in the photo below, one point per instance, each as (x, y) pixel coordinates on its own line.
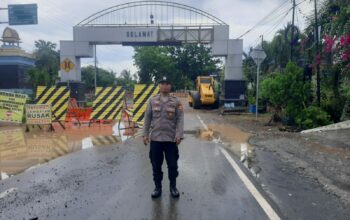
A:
(206, 93)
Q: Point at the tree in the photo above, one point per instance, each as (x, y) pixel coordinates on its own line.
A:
(334, 58)
(180, 64)
(194, 60)
(126, 80)
(104, 77)
(249, 72)
(286, 92)
(278, 50)
(43, 45)
(47, 62)
(277, 57)
(46, 67)
(154, 63)
(39, 77)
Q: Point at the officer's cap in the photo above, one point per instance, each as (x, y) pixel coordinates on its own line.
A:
(164, 80)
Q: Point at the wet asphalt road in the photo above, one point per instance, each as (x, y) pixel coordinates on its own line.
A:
(115, 182)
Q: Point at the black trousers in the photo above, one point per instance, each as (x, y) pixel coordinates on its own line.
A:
(156, 154)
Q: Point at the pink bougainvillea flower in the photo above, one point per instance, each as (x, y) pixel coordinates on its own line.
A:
(345, 40)
(329, 42)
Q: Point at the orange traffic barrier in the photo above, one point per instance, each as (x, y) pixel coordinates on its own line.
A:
(76, 113)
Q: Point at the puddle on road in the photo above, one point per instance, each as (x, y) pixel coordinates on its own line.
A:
(20, 150)
(235, 140)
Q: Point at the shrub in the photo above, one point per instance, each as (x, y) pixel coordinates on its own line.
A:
(287, 91)
(312, 117)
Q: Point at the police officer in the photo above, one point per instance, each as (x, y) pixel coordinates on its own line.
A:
(163, 128)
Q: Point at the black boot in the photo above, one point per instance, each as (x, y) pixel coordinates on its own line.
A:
(156, 192)
(174, 192)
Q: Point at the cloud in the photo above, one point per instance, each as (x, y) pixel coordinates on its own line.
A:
(57, 18)
(116, 58)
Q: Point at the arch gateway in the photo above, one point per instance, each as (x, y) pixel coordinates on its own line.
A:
(152, 23)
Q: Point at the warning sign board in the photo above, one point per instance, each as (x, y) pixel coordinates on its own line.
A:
(11, 106)
(142, 93)
(67, 65)
(38, 114)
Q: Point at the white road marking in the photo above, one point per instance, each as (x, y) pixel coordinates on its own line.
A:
(203, 124)
(3, 194)
(270, 212)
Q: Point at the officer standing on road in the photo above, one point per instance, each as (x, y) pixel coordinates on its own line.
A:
(163, 127)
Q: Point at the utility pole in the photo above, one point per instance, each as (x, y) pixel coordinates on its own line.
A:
(95, 68)
(257, 82)
(317, 54)
(258, 56)
(292, 34)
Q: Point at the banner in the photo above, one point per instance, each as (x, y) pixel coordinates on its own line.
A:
(38, 114)
(11, 106)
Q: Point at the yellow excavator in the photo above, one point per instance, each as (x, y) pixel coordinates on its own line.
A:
(205, 94)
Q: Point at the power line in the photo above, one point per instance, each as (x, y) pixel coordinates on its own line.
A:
(273, 12)
(285, 10)
(277, 23)
(268, 31)
(264, 18)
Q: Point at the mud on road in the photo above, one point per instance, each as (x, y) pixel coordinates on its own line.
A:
(317, 163)
(323, 157)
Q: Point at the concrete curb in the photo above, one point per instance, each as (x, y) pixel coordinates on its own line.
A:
(337, 126)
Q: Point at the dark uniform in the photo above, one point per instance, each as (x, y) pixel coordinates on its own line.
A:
(164, 123)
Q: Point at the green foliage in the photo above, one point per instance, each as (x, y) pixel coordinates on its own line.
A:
(311, 117)
(334, 17)
(126, 80)
(345, 89)
(249, 69)
(89, 104)
(47, 58)
(39, 77)
(46, 64)
(104, 77)
(180, 64)
(277, 53)
(287, 91)
(154, 63)
(194, 60)
(330, 102)
(284, 89)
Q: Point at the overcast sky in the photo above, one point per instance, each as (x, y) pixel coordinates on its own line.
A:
(57, 18)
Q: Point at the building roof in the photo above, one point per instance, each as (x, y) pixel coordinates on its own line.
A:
(10, 36)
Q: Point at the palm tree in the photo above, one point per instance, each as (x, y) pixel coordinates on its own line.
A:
(41, 44)
(278, 50)
(47, 59)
